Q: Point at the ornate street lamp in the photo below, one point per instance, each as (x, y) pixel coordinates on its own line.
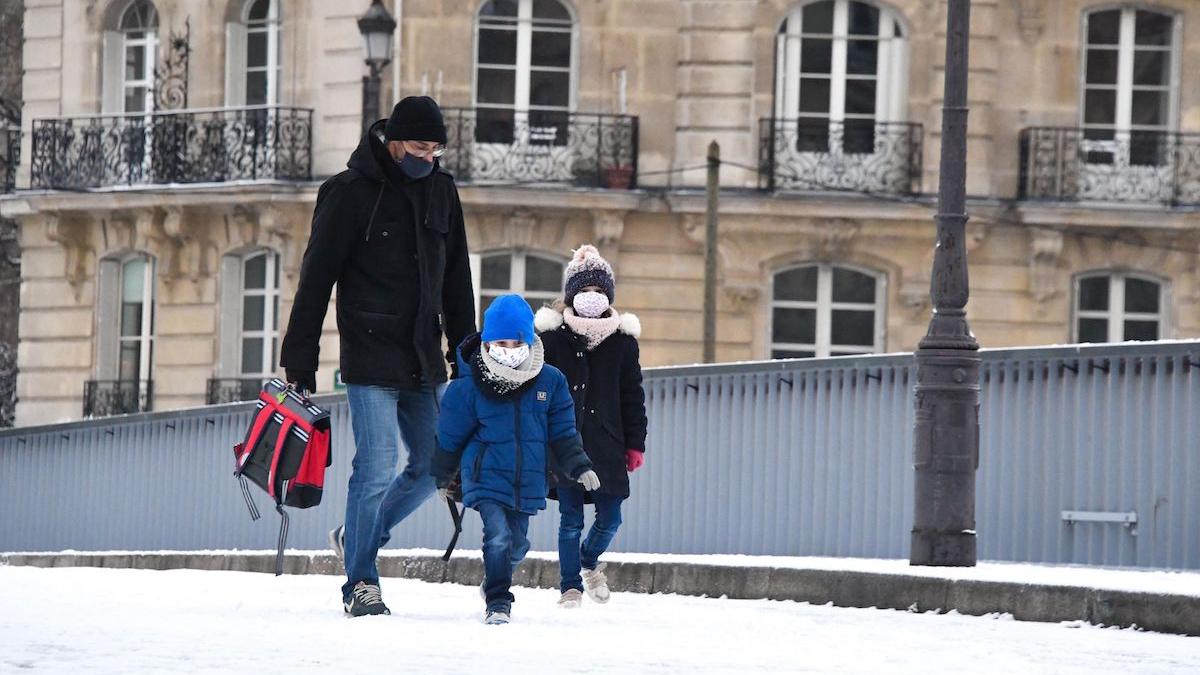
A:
(377, 27)
(946, 431)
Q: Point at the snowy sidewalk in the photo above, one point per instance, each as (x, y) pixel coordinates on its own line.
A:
(99, 621)
(1160, 601)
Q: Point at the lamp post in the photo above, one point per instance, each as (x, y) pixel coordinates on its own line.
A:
(946, 431)
(376, 26)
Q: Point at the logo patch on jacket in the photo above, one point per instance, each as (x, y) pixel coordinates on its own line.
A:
(542, 396)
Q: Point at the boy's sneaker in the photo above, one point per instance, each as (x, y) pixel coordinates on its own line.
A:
(365, 600)
(596, 584)
(571, 598)
(496, 617)
(337, 542)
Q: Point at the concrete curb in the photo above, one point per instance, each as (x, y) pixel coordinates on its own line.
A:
(1025, 602)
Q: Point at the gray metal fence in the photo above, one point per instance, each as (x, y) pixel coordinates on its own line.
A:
(1088, 455)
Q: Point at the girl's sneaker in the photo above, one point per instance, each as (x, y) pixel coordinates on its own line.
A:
(571, 599)
(596, 584)
(496, 618)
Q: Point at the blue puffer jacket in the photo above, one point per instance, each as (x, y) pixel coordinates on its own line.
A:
(502, 440)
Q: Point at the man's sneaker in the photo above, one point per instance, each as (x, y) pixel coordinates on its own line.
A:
(365, 600)
(596, 584)
(571, 598)
(496, 617)
(482, 592)
(337, 542)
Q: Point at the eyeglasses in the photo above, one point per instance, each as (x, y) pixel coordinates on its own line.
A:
(419, 149)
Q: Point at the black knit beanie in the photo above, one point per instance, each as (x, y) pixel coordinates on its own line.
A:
(416, 118)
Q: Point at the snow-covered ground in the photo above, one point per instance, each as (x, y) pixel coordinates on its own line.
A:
(86, 620)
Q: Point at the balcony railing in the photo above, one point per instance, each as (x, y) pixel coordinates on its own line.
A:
(852, 156)
(117, 397)
(503, 146)
(234, 389)
(10, 157)
(183, 146)
(1147, 167)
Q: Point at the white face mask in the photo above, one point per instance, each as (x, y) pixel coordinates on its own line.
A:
(512, 357)
(590, 304)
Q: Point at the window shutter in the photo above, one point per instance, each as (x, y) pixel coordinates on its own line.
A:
(112, 76)
(229, 315)
(476, 262)
(235, 64)
(108, 303)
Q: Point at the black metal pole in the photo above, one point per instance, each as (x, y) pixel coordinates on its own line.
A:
(946, 443)
(370, 109)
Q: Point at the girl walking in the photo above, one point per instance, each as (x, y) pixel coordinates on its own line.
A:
(596, 348)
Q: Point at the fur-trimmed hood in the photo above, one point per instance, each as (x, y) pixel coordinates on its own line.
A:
(549, 318)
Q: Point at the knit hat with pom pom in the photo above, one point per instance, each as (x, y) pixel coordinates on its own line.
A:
(587, 268)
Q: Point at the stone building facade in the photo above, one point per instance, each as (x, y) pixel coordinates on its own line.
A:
(164, 208)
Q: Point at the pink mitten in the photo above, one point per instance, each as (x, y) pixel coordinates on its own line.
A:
(633, 460)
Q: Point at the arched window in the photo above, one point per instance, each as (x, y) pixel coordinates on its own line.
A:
(130, 56)
(1129, 92)
(252, 63)
(535, 276)
(249, 331)
(125, 336)
(840, 70)
(524, 71)
(1116, 306)
(826, 310)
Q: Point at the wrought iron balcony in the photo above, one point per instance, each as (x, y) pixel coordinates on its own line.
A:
(853, 156)
(234, 389)
(10, 157)
(181, 146)
(117, 397)
(1149, 167)
(502, 146)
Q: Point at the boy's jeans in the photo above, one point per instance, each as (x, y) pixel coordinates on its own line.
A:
(572, 556)
(377, 498)
(505, 543)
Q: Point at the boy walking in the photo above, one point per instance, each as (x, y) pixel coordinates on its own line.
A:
(499, 422)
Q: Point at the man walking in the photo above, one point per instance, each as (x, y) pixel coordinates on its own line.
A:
(389, 232)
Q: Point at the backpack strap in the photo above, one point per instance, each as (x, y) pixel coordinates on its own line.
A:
(456, 517)
(283, 533)
(284, 430)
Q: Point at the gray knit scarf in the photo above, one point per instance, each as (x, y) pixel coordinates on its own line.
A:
(503, 380)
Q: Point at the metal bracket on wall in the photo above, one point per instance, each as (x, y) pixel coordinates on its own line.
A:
(1092, 365)
(1127, 519)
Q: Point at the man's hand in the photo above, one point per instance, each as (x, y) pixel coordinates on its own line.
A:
(303, 380)
(589, 480)
(444, 494)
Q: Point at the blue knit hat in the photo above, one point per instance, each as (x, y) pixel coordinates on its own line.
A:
(587, 268)
(508, 318)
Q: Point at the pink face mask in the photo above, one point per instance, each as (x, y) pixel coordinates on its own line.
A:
(590, 304)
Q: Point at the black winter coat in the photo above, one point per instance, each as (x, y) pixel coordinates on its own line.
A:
(606, 383)
(397, 250)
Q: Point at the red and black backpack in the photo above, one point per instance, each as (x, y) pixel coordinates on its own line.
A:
(286, 452)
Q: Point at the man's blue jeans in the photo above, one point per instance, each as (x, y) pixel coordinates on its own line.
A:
(571, 555)
(377, 498)
(505, 543)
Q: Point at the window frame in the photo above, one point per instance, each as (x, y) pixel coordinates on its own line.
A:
(110, 299)
(271, 26)
(891, 69)
(1115, 315)
(269, 332)
(523, 67)
(517, 276)
(1125, 54)
(824, 306)
(148, 44)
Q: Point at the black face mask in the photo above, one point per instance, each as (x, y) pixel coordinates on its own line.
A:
(415, 167)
